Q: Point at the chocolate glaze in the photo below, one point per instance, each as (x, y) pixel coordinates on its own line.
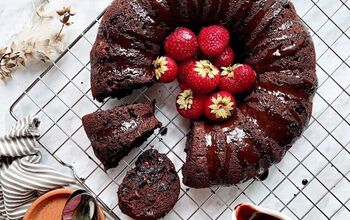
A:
(305, 182)
(257, 18)
(228, 156)
(163, 131)
(264, 176)
(212, 155)
(276, 12)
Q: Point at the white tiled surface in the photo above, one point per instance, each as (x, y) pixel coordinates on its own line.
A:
(321, 156)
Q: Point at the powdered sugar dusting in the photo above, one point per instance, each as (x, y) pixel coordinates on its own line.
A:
(291, 47)
(253, 120)
(208, 141)
(277, 53)
(283, 37)
(285, 26)
(127, 126)
(236, 135)
(280, 95)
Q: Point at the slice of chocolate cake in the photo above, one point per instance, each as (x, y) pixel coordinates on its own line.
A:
(115, 132)
(151, 189)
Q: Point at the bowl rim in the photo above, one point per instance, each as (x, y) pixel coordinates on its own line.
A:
(52, 193)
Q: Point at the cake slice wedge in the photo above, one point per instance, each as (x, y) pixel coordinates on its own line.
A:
(115, 132)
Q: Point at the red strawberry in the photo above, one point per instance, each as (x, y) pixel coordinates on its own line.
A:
(220, 106)
(189, 105)
(225, 59)
(213, 40)
(181, 45)
(237, 79)
(165, 69)
(182, 74)
(202, 77)
(184, 86)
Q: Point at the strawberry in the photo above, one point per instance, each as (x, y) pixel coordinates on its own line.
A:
(182, 74)
(225, 59)
(181, 45)
(202, 77)
(190, 106)
(165, 69)
(219, 106)
(184, 86)
(213, 40)
(237, 79)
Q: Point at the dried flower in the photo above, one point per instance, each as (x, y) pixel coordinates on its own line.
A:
(2, 51)
(10, 59)
(42, 56)
(40, 11)
(65, 14)
(33, 45)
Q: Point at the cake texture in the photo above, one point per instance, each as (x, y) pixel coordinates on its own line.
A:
(114, 133)
(267, 35)
(151, 189)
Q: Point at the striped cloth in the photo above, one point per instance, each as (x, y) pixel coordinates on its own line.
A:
(22, 179)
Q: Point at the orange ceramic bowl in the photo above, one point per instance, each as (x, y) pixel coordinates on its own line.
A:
(50, 206)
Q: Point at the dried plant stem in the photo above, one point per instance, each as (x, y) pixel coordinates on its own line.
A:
(60, 32)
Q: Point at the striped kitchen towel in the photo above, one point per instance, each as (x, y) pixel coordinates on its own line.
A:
(22, 178)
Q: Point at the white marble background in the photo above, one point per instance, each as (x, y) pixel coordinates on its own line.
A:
(326, 168)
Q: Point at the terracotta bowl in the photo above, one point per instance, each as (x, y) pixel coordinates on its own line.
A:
(50, 206)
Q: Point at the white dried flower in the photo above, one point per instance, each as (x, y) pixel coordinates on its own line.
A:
(40, 11)
(33, 44)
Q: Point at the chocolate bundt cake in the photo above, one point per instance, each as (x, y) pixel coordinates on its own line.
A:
(115, 132)
(151, 189)
(268, 35)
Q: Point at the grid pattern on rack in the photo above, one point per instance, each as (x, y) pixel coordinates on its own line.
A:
(61, 96)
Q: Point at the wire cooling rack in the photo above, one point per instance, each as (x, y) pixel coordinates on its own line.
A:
(312, 181)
